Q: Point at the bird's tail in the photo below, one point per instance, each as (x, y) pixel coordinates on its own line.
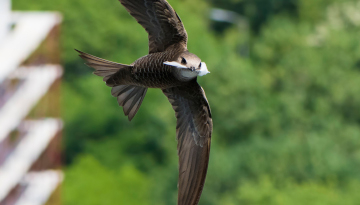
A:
(129, 97)
(102, 67)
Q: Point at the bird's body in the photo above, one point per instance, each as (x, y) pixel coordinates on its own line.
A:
(150, 71)
(172, 68)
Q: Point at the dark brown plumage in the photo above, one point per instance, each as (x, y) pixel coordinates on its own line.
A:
(160, 21)
(172, 68)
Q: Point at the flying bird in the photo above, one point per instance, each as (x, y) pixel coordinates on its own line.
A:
(172, 68)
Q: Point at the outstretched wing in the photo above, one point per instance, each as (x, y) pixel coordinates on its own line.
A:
(193, 130)
(160, 21)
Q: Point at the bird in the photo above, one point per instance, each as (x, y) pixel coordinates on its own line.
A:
(168, 66)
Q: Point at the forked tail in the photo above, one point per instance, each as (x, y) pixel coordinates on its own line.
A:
(129, 97)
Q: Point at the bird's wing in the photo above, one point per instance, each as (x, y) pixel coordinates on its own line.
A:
(160, 21)
(193, 130)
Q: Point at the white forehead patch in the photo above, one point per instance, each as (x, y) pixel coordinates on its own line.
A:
(175, 64)
(203, 69)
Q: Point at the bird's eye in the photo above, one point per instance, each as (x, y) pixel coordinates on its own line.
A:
(183, 61)
(200, 65)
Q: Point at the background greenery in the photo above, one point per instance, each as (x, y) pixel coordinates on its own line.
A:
(286, 116)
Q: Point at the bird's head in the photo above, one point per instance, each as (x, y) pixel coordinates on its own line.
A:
(190, 65)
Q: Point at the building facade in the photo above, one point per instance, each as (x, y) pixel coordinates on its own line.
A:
(30, 123)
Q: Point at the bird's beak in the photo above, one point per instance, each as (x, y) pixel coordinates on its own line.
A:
(203, 69)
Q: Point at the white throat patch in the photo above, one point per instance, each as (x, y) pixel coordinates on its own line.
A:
(175, 64)
(184, 72)
(187, 73)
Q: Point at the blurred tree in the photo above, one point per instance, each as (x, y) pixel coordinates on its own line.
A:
(259, 12)
(91, 184)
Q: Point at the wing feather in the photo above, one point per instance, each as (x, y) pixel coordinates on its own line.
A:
(193, 130)
(160, 21)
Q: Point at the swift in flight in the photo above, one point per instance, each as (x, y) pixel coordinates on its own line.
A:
(172, 68)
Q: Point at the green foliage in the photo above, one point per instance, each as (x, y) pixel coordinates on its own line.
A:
(258, 12)
(286, 119)
(90, 183)
(267, 192)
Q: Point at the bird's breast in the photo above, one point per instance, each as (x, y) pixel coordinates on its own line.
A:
(185, 75)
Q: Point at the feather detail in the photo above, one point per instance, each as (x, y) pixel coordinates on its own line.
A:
(129, 97)
(102, 67)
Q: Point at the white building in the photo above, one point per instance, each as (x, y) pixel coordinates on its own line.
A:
(30, 125)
